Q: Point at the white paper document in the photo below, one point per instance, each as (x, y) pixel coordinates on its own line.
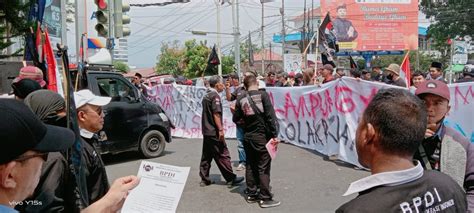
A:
(159, 190)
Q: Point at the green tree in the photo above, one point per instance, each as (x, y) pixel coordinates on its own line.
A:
(195, 58)
(190, 61)
(170, 59)
(121, 67)
(383, 61)
(14, 14)
(451, 18)
(424, 61)
(228, 62)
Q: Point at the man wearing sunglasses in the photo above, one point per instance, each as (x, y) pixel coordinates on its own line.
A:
(91, 120)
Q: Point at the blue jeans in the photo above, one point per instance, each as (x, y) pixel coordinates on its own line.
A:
(240, 146)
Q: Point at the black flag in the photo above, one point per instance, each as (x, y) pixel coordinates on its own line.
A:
(353, 63)
(327, 41)
(213, 57)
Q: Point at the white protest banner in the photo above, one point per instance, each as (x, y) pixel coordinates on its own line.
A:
(183, 105)
(461, 115)
(159, 190)
(319, 118)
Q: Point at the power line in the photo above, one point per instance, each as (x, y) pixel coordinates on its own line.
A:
(155, 31)
(160, 4)
(202, 18)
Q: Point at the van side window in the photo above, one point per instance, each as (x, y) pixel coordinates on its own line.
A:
(117, 89)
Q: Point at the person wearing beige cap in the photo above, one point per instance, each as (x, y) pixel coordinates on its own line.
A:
(393, 75)
(443, 148)
(90, 118)
(326, 73)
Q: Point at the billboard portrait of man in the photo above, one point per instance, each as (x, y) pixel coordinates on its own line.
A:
(345, 31)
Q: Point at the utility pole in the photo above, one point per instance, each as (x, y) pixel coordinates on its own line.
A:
(283, 33)
(110, 40)
(218, 4)
(304, 35)
(235, 18)
(310, 21)
(80, 9)
(263, 39)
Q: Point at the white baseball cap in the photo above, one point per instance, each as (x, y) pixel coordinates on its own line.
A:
(85, 96)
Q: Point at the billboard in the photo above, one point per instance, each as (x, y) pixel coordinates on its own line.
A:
(365, 25)
(52, 20)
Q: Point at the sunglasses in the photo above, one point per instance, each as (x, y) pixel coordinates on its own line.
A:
(23, 158)
(98, 110)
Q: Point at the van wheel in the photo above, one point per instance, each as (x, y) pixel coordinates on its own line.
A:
(152, 144)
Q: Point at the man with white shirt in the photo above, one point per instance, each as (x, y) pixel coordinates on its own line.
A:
(91, 120)
(388, 135)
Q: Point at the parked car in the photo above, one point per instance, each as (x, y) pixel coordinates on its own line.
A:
(131, 123)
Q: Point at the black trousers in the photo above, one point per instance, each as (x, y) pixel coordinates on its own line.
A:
(212, 148)
(257, 173)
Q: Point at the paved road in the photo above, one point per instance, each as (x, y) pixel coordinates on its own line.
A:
(303, 180)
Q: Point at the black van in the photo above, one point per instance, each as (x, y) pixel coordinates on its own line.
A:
(131, 122)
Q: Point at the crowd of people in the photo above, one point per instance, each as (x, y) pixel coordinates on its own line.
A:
(389, 75)
(417, 162)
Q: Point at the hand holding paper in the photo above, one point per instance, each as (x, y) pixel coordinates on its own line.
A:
(272, 147)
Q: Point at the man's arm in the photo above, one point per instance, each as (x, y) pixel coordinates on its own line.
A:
(220, 128)
(238, 114)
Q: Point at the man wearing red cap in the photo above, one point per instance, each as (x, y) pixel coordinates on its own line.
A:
(443, 148)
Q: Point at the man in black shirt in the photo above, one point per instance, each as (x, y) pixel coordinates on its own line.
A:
(387, 137)
(91, 120)
(256, 110)
(214, 145)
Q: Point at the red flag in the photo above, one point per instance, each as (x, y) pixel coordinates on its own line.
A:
(51, 61)
(405, 71)
(39, 44)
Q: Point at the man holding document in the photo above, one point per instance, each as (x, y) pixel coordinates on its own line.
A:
(256, 110)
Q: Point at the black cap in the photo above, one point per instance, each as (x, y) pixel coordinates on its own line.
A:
(436, 65)
(24, 87)
(21, 131)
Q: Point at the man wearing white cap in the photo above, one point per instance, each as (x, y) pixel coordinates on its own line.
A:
(91, 120)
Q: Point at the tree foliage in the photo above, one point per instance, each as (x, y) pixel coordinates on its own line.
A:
(121, 67)
(14, 14)
(189, 61)
(451, 18)
(195, 58)
(383, 61)
(170, 58)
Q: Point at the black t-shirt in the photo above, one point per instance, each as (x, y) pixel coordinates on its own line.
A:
(252, 125)
(211, 103)
(433, 192)
(399, 82)
(236, 93)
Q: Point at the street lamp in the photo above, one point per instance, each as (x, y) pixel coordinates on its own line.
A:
(204, 33)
